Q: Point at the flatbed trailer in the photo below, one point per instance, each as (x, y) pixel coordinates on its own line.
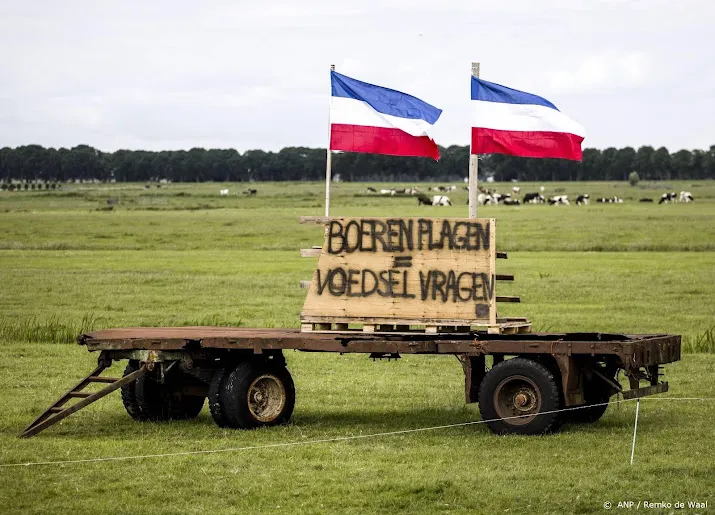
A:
(382, 287)
(242, 372)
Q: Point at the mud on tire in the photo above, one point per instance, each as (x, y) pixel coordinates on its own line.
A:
(257, 394)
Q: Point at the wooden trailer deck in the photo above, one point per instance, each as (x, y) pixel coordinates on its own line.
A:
(634, 350)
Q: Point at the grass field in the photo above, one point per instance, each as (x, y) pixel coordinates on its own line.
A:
(183, 255)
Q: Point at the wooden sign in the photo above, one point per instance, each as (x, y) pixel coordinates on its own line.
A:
(405, 271)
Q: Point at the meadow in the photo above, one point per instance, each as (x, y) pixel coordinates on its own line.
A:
(95, 256)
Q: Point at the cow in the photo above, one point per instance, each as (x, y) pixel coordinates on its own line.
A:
(686, 196)
(441, 200)
(646, 200)
(371, 190)
(541, 189)
(610, 200)
(387, 192)
(515, 189)
(483, 199)
(583, 199)
(667, 198)
(423, 200)
(250, 191)
(223, 192)
(533, 198)
(511, 202)
(499, 197)
(559, 199)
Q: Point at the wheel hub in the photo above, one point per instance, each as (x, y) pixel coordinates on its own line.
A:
(266, 398)
(524, 400)
(517, 400)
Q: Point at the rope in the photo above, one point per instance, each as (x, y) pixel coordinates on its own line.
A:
(327, 440)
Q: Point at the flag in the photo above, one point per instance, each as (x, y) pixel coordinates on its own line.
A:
(377, 120)
(509, 121)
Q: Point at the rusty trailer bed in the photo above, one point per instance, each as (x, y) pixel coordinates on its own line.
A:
(198, 358)
(634, 350)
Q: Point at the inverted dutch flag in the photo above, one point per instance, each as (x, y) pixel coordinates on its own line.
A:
(509, 121)
(377, 120)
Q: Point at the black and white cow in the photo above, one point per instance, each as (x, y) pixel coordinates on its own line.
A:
(441, 200)
(500, 197)
(370, 189)
(534, 198)
(583, 199)
(511, 202)
(667, 198)
(559, 200)
(610, 200)
(686, 196)
(484, 199)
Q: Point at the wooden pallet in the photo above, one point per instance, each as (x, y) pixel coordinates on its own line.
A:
(503, 326)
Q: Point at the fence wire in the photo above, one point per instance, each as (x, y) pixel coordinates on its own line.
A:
(335, 439)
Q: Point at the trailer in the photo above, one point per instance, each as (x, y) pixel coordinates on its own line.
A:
(383, 288)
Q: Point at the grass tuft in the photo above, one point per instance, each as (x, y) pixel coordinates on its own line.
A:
(703, 342)
(50, 330)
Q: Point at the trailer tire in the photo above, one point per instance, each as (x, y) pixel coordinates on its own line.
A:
(218, 379)
(129, 393)
(160, 402)
(596, 393)
(520, 390)
(257, 394)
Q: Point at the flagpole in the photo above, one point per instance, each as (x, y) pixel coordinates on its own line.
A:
(473, 165)
(328, 162)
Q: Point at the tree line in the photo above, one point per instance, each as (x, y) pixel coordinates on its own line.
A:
(37, 163)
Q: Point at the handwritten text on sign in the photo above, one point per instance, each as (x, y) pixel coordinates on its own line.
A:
(407, 268)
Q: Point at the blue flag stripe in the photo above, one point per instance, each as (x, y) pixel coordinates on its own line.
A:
(383, 100)
(491, 92)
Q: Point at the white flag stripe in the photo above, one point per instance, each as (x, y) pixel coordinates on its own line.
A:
(522, 117)
(349, 111)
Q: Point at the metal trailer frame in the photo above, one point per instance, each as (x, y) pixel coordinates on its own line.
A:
(573, 358)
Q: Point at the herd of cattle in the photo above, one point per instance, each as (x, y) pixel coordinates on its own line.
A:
(487, 197)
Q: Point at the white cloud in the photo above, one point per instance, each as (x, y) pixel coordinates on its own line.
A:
(246, 74)
(603, 72)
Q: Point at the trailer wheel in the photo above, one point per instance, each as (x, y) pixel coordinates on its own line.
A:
(218, 379)
(129, 393)
(257, 394)
(520, 396)
(159, 402)
(596, 393)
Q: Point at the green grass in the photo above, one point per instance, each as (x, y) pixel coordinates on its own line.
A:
(183, 255)
(461, 469)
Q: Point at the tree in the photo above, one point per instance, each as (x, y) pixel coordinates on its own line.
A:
(633, 178)
(32, 162)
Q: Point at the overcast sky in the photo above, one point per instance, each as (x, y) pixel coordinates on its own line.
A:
(156, 74)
